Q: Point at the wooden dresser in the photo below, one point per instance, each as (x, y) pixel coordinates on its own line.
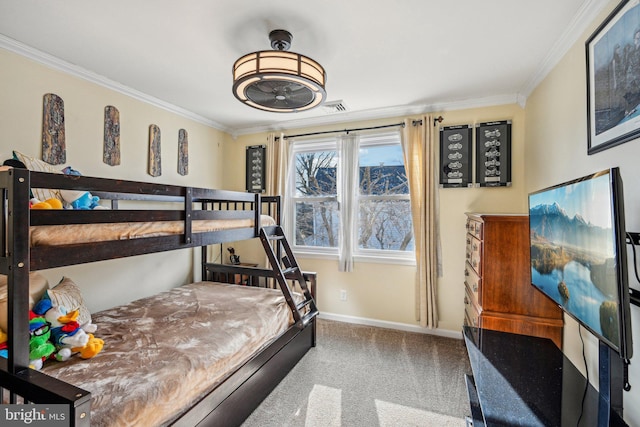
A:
(498, 290)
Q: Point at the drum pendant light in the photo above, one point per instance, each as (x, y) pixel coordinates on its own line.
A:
(277, 80)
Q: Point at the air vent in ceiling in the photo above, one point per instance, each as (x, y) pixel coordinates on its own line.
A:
(331, 107)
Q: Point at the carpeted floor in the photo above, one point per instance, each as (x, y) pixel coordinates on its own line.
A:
(367, 376)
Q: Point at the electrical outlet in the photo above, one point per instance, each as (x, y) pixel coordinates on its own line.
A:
(343, 295)
(635, 238)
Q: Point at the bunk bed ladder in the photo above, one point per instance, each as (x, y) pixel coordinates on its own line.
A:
(274, 241)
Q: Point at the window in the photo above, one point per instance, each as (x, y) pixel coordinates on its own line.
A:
(379, 197)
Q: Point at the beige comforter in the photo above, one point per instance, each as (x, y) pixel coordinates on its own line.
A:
(164, 352)
(51, 235)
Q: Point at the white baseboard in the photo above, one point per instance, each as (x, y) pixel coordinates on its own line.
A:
(390, 325)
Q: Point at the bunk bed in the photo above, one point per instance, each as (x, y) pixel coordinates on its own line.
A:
(187, 217)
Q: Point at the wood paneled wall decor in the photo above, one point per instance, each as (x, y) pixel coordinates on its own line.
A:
(155, 165)
(183, 152)
(111, 147)
(53, 135)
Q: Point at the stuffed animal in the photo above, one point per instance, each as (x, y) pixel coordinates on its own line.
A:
(81, 199)
(71, 171)
(47, 204)
(40, 348)
(93, 347)
(4, 350)
(66, 333)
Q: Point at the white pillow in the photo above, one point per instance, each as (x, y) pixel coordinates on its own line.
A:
(33, 164)
(67, 294)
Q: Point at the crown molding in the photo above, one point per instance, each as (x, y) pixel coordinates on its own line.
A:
(58, 64)
(583, 19)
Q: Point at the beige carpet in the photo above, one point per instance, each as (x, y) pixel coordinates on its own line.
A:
(367, 376)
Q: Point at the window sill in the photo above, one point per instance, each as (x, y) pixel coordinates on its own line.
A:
(357, 259)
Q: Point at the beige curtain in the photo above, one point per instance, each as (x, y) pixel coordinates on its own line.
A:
(277, 163)
(419, 147)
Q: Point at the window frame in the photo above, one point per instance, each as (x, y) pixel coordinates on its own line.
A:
(380, 139)
(360, 255)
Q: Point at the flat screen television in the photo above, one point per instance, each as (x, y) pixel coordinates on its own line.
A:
(578, 254)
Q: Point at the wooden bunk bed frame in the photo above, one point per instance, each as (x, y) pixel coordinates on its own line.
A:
(234, 399)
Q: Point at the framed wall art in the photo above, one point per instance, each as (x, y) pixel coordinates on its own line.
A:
(493, 154)
(613, 79)
(455, 156)
(255, 168)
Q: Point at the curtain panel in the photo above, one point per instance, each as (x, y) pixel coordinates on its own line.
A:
(278, 154)
(419, 148)
(349, 188)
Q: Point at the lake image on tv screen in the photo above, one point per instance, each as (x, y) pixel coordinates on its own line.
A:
(572, 252)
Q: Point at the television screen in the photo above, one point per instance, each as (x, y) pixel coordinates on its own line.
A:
(578, 254)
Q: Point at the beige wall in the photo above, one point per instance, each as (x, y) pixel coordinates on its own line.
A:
(23, 84)
(556, 151)
(385, 293)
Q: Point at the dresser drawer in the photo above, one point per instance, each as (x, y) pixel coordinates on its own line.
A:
(471, 312)
(474, 228)
(474, 252)
(473, 282)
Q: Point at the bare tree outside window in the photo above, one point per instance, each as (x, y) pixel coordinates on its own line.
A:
(385, 209)
(317, 218)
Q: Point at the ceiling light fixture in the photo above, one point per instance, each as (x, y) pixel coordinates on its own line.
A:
(277, 80)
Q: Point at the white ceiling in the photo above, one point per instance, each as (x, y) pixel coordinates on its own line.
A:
(383, 58)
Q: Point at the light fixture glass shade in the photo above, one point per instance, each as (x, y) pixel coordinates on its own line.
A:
(279, 81)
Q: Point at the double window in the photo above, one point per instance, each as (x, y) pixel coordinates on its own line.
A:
(353, 193)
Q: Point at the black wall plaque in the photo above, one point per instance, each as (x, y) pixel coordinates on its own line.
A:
(455, 156)
(255, 168)
(493, 154)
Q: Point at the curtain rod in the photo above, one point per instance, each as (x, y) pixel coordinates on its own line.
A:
(415, 122)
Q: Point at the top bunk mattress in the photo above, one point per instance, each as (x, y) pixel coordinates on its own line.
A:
(163, 353)
(54, 235)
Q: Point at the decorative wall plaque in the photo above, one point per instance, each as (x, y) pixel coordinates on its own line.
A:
(155, 165)
(255, 168)
(111, 144)
(54, 149)
(183, 152)
(493, 154)
(455, 156)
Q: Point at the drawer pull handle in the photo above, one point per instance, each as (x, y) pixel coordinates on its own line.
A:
(466, 272)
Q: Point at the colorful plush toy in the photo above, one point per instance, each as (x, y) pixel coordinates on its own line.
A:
(47, 204)
(93, 347)
(4, 349)
(81, 199)
(67, 335)
(40, 348)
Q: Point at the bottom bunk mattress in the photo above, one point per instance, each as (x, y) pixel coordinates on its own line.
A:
(164, 353)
